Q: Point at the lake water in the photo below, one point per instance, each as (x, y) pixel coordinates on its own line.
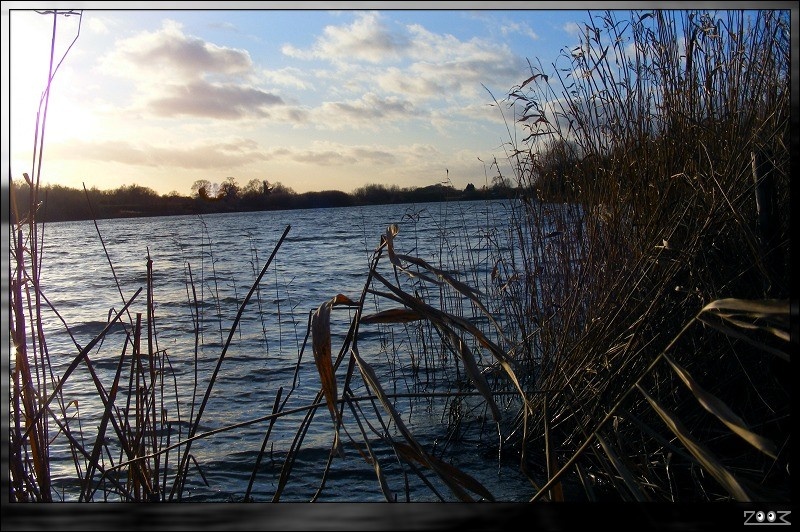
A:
(202, 270)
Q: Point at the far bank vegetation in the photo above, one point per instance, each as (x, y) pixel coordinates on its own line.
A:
(62, 203)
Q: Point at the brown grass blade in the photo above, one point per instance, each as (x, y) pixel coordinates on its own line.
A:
(370, 458)
(443, 321)
(387, 492)
(699, 451)
(472, 293)
(395, 259)
(371, 379)
(471, 365)
(107, 416)
(587, 485)
(321, 346)
(716, 407)
(747, 339)
(458, 476)
(732, 310)
(779, 333)
(757, 308)
(448, 320)
(557, 491)
(73, 365)
(624, 472)
(395, 315)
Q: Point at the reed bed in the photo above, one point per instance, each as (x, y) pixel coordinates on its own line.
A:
(625, 336)
(655, 303)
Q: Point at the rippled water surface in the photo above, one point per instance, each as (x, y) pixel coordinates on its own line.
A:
(202, 270)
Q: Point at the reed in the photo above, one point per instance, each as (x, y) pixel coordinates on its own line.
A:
(653, 131)
(31, 379)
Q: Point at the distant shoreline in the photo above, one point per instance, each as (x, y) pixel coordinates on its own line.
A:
(64, 204)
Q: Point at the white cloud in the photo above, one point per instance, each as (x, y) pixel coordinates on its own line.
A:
(573, 28)
(170, 54)
(287, 77)
(366, 39)
(97, 26)
(371, 110)
(202, 156)
(180, 75)
(519, 27)
(209, 100)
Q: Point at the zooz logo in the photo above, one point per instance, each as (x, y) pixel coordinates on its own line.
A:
(771, 517)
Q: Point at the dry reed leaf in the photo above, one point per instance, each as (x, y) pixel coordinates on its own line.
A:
(737, 334)
(557, 491)
(732, 310)
(395, 315)
(471, 366)
(779, 333)
(387, 492)
(623, 471)
(371, 379)
(668, 444)
(395, 259)
(34, 420)
(442, 321)
(716, 407)
(757, 308)
(445, 321)
(321, 346)
(587, 486)
(370, 458)
(458, 476)
(340, 299)
(703, 455)
(472, 293)
(524, 83)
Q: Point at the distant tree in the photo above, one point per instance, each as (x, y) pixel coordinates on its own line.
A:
(134, 194)
(323, 199)
(254, 187)
(470, 188)
(229, 190)
(377, 194)
(202, 189)
(278, 188)
(557, 170)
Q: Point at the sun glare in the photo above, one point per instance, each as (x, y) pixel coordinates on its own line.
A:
(31, 114)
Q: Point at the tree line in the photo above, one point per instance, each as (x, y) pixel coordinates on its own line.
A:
(60, 203)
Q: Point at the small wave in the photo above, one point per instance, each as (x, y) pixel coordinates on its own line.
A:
(94, 328)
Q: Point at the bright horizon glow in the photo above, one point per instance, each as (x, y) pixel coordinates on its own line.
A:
(314, 99)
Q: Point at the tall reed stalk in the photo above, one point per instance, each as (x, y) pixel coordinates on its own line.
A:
(31, 375)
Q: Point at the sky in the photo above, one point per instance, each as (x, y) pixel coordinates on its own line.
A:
(332, 96)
